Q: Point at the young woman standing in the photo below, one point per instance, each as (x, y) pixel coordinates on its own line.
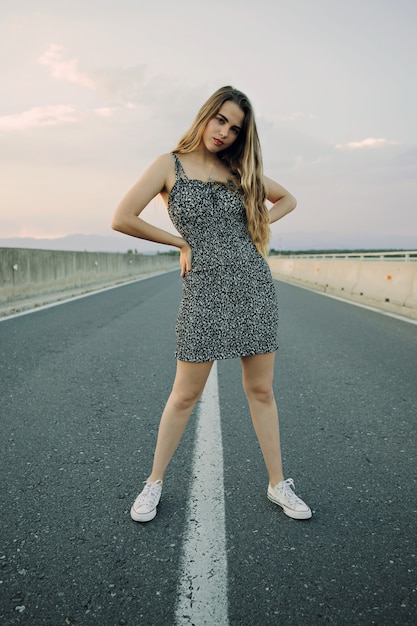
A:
(215, 192)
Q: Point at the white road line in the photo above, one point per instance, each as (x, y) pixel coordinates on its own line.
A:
(202, 589)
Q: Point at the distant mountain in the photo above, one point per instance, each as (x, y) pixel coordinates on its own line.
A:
(117, 242)
(80, 243)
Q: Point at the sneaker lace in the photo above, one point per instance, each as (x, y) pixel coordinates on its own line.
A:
(289, 493)
(150, 494)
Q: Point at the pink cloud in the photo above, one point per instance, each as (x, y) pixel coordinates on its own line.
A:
(53, 59)
(38, 117)
(105, 111)
(370, 142)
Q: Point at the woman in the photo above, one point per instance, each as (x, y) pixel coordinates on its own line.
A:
(215, 192)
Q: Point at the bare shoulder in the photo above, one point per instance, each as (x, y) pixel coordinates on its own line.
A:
(158, 176)
(165, 160)
(162, 166)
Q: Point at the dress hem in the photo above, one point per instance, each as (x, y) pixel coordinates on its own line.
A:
(222, 357)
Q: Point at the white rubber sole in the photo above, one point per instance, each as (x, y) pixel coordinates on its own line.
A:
(142, 517)
(290, 512)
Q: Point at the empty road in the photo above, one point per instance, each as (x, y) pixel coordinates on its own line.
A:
(82, 388)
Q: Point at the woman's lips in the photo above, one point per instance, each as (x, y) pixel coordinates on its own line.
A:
(218, 142)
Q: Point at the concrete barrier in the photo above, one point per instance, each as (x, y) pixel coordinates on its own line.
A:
(26, 273)
(386, 283)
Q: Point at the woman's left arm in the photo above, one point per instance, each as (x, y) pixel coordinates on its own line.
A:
(282, 201)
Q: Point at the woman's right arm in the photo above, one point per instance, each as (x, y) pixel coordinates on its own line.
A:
(126, 216)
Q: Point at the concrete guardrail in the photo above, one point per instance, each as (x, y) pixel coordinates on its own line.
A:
(383, 280)
(386, 281)
(26, 274)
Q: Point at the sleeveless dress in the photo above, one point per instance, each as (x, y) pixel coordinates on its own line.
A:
(229, 305)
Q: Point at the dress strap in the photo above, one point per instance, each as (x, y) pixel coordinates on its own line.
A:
(179, 170)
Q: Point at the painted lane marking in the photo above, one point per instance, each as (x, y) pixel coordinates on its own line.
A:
(202, 588)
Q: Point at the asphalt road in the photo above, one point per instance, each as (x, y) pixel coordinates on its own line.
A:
(82, 386)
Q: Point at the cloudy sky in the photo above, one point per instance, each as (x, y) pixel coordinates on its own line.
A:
(92, 92)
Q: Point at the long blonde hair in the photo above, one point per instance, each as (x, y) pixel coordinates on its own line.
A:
(243, 158)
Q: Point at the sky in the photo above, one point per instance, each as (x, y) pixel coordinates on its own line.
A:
(91, 93)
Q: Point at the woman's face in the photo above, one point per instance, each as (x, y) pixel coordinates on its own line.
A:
(223, 129)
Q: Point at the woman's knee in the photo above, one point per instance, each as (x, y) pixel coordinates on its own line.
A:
(189, 384)
(185, 398)
(259, 392)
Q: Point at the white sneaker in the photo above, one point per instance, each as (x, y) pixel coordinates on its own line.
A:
(283, 495)
(144, 507)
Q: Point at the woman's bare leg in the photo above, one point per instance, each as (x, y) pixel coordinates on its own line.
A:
(188, 386)
(257, 375)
